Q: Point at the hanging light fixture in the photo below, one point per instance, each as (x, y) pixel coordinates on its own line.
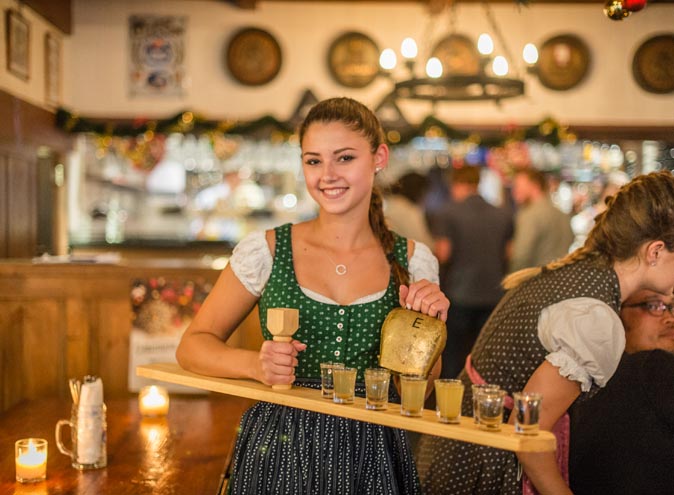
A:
(489, 80)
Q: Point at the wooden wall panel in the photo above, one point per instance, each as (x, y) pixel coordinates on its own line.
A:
(78, 337)
(110, 357)
(4, 207)
(11, 366)
(43, 348)
(21, 207)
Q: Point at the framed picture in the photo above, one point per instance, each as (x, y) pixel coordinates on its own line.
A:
(52, 69)
(157, 56)
(18, 43)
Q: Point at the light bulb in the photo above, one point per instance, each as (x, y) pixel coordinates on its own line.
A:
(409, 48)
(500, 66)
(388, 59)
(434, 67)
(485, 45)
(530, 53)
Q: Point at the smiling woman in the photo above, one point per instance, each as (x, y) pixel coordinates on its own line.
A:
(344, 271)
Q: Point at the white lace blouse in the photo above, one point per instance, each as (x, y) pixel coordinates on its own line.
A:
(251, 262)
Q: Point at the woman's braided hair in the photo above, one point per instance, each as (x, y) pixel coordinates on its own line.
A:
(358, 117)
(641, 211)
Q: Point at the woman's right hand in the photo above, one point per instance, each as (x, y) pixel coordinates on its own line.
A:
(277, 361)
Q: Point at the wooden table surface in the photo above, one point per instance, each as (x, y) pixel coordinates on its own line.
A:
(184, 453)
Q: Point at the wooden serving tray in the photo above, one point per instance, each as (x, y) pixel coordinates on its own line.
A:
(310, 399)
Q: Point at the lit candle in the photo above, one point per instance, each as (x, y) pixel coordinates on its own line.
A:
(153, 401)
(30, 455)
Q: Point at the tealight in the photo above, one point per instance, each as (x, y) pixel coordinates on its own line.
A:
(153, 401)
(30, 455)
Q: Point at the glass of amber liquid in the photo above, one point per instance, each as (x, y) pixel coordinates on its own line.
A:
(344, 380)
(448, 397)
(413, 394)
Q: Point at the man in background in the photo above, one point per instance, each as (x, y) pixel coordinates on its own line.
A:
(472, 242)
(622, 438)
(542, 231)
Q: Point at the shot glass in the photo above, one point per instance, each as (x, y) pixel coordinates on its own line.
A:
(477, 388)
(413, 393)
(376, 388)
(448, 397)
(490, 409)
(327, 383)
(345, 384)
(527, 412)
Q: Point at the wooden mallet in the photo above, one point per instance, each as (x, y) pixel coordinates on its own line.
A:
(283, 323)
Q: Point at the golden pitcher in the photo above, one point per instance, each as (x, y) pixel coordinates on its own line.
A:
(411, 342)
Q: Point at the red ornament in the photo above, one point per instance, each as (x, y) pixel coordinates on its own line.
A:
(634, 5)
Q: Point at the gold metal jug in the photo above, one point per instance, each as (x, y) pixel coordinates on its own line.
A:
(411, 342)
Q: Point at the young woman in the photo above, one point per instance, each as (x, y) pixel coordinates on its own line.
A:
(557, 331)
(344, 271)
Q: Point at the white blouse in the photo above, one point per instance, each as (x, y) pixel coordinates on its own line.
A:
(585, 339)
(251, 262)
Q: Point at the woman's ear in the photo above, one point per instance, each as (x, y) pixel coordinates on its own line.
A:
(653, 250)
(381, 155)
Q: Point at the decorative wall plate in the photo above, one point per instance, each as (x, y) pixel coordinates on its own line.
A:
(653, 64)
(563, 63)
(353, 60)
(253, 56)
(458, 55)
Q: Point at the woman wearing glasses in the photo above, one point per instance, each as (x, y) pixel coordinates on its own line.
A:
(557, 331)
(622, 439)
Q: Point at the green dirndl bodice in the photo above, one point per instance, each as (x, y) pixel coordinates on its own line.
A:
(284, 450)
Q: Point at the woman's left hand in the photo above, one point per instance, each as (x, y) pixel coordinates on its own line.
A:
(425, 297)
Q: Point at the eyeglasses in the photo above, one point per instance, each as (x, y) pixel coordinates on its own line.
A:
(655, 308)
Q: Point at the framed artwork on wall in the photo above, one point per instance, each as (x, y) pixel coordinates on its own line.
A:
(564, 62)
(52, 69)
(653, 64)
(157, 58)
(17, 31)
(253, 56)
(353, 60)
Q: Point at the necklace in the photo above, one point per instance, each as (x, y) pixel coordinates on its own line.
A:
(340, 268)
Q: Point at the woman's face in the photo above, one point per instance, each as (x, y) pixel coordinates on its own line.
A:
(648, 321)
(339, 166)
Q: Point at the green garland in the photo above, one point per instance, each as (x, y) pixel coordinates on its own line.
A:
(187, 122)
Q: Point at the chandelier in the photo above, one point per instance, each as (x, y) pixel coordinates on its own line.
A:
(487, 78)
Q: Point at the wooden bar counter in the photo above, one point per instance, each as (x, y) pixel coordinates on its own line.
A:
(184, 453)
(66, 320)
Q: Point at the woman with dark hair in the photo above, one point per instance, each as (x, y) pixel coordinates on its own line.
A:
(557, 331)
(345, 271)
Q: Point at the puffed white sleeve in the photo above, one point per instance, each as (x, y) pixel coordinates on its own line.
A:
(251, 262)
(585, 339)
(423, 264)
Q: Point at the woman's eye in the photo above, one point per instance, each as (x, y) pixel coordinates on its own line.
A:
(311, 161)
(346, 158)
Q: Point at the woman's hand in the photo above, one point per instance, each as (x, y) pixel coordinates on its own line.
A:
(425, 297)
(278, 360)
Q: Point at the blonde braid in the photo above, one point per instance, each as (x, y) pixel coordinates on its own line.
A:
(386, 237)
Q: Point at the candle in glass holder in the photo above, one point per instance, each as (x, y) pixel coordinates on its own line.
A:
(30, 455)
(153, 401)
